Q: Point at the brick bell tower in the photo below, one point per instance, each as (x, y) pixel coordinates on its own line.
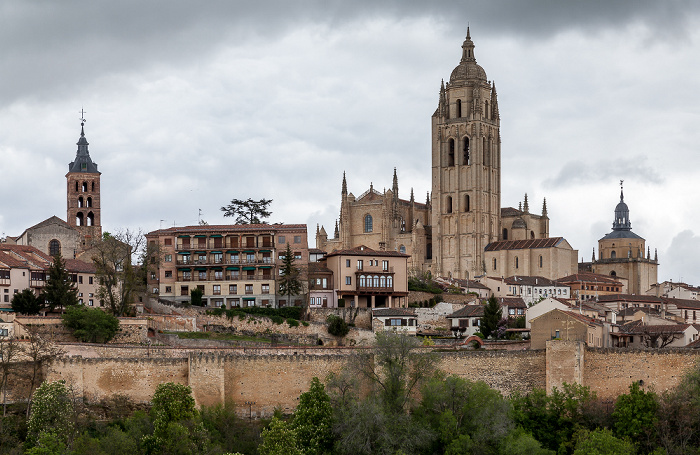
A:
(83, 193)
(466, 169)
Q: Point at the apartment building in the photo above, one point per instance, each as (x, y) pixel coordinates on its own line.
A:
(234, 265)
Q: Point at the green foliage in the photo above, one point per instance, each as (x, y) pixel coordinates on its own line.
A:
(492, 316)
(292, 322)
(337, 326)
(59, 291)
(228, 432)
(48, 443)
(52, 408)
(290, 279)
(635, 415)
(248, 211)
(196, 296)
(90, 325)
(313, 420)
(602, 442)
(279, 438)
(288, 312)
(26, 302)
(172, 403)
(423, 282)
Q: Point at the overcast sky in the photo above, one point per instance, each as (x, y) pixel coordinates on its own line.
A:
(191, 104)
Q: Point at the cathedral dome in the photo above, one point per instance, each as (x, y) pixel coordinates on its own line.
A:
(468, 69)
(519, 223)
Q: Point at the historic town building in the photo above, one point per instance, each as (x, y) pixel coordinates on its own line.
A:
(622, 253)
(448, 233)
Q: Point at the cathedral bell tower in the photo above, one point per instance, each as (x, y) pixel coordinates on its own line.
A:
(466, 169)
(83, 193)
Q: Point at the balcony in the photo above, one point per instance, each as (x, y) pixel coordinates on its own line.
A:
(249, 277)
(375, 290)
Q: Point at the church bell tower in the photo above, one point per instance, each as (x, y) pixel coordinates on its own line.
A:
(83, 193)
(466, 169)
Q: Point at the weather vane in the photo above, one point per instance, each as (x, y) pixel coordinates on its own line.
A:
(82, 115)
(621, 181)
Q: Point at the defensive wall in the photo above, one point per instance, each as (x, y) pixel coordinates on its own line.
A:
(258, 380)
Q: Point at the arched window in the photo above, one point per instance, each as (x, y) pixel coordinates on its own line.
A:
(368, 223)
(505, 234)
(540, 261)
(84, 187)
(532, 234)
(486, 109)
(486, 152)
(90, 219)
(516, 262)
(402, 249)
(363, 281)
(89, 202)
(465, 151)
(494, 263)
(466, 203)
(613, 254)
(459, 108)
(80, 201)
(448, 204)
(613, 273)
(451, 152)
(382, 282)
(389, 281)
(92, 186)
(403, 225)
(54, 247)
(429, 251)
(376, 281)
(80, 219)
(76, 186)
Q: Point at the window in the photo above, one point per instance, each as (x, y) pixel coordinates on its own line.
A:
(516, 262)
(155, 290)
(218, 274)
(248, 288)
(359, 264)
(402, 249)
(494, 263)
(168, 242)
(233, 289)
(348, 280)
(375, 281)
(153, 277)
(168, 274)
(184, 290)
(217, 289)
(218, 258)
(202, 275)
(467, 205)
(3, 332)
(234, 259)
(540, 261)
(347, 263)
(297, 255)
(613, 255)
(368, 223)
(250, 257)
(363, 282)
(325, 283)
(54, 247)
(382, 281)
(265, 289)
(297, 239)
(389, 281)
(448, 204)
(451, 152)
(385, 266)
(80, 278)
(280, 239)
(168, 289)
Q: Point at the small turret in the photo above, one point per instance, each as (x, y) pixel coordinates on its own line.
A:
(526, 206)
(593, 258)
(344, 190)
(544, 207)
(336, 232)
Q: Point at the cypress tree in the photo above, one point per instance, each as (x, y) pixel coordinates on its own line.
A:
(59, 291)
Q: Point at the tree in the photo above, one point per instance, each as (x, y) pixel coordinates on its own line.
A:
(248, 211)
(120, 280)
(196, 296)
(635, 416)
(279, 438)
(290, 282)
(59, 291)
(602, 442)
(659, 336)
(90, 325)
(337, 325)
(492, 317)
(37, 350)
(313, 420)
(53, 411)
(26, 302)
(10, 350)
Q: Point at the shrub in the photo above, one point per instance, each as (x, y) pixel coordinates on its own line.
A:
(292, 322)
(90, 325)
(337, 326)
(196, 296)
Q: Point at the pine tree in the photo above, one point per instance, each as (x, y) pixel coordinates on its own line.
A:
(290, 283)
(59, 291)
(491, 318)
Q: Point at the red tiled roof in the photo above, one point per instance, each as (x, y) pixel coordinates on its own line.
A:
(365, 251)
(523, 244)
(628, 298)
(219, 228)
(78, 266)
(531, 281)
(682, 303)
(589, 277)
(469, 311)
(388, 312)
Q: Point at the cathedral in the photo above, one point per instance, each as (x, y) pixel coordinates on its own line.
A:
(448, 233)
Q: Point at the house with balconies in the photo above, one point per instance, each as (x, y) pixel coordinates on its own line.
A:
(234, 265)
(368, 278)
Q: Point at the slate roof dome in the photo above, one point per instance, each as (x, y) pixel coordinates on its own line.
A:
(519, 223)
(622, 226)
(467, 69)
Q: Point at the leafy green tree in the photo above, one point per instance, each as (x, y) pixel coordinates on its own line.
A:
(48, 443)
(248, 211)
(635, 416)
(90, 325)
(59, 291)
(290, 280)
(337, 326)
(279, 438)
(492, 316)
(196, 296)
(52, 410)
(26, 302)
(10, 352)
(602, 442)
(172, 403)
(313, 420)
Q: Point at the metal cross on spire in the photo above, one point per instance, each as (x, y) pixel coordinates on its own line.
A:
(82, 115)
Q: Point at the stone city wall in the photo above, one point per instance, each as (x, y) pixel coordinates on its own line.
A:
(361, 317)
(131, 330)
